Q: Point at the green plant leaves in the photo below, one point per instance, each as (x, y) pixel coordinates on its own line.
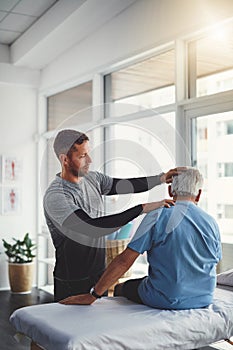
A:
(21, 251)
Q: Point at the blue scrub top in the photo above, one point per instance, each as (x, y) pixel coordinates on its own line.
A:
(183, 247)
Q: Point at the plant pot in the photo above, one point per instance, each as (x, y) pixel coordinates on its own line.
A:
(20, 277)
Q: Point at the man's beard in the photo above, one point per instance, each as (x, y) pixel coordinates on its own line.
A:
(74, 171)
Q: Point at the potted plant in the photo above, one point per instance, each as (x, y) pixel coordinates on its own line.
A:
(20, 264)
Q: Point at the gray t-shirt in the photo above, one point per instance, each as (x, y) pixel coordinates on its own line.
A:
(77, 255)
(62, 197)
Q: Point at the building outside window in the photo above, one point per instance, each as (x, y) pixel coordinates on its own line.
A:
(225, 211)
(214, 159)
(229, 127)
(225, 128)
(225, 169)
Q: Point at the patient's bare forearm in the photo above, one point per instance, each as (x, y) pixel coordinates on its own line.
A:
(115, 270)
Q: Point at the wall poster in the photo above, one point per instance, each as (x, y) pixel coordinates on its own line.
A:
(10, 178)
(11, 169)
(11, 200)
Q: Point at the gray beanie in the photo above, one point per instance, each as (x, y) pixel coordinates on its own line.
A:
(65, 139)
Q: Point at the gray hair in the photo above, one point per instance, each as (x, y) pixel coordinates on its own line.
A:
(187, 183)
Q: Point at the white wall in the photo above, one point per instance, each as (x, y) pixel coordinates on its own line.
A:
(144, 25)
(17, 128)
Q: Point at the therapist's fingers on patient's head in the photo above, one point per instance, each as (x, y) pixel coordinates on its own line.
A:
(174, 172)
(178, 170)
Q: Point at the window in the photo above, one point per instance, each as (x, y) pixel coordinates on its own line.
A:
(141, 147)
(211, 62)
(229, 127)
(229, 211)
(149, 83)
(220, 211)
(65, 106)
(225, 128)
(225, 211)
(203, 168)
(202, 132)
(145, 145)
(210, 155)
(225, 169)
(69, 108)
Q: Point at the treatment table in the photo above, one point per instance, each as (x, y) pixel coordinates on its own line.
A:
(117, 324)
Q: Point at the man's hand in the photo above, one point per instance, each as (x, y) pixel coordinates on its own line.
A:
(167, 177)
(155, 205)
(82, 299)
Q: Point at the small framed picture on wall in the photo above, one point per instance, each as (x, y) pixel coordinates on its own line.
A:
(11, 203)
(11, 169)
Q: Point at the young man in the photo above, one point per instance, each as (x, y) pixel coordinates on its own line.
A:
(73, 208)
(183, 247)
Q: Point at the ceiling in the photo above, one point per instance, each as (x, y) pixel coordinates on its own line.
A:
(16, 16)
(34, 33)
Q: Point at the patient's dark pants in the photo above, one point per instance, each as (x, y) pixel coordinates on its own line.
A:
(130, 290)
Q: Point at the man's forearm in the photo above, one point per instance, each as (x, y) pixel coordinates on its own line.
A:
(80, 222)
(135, 185)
